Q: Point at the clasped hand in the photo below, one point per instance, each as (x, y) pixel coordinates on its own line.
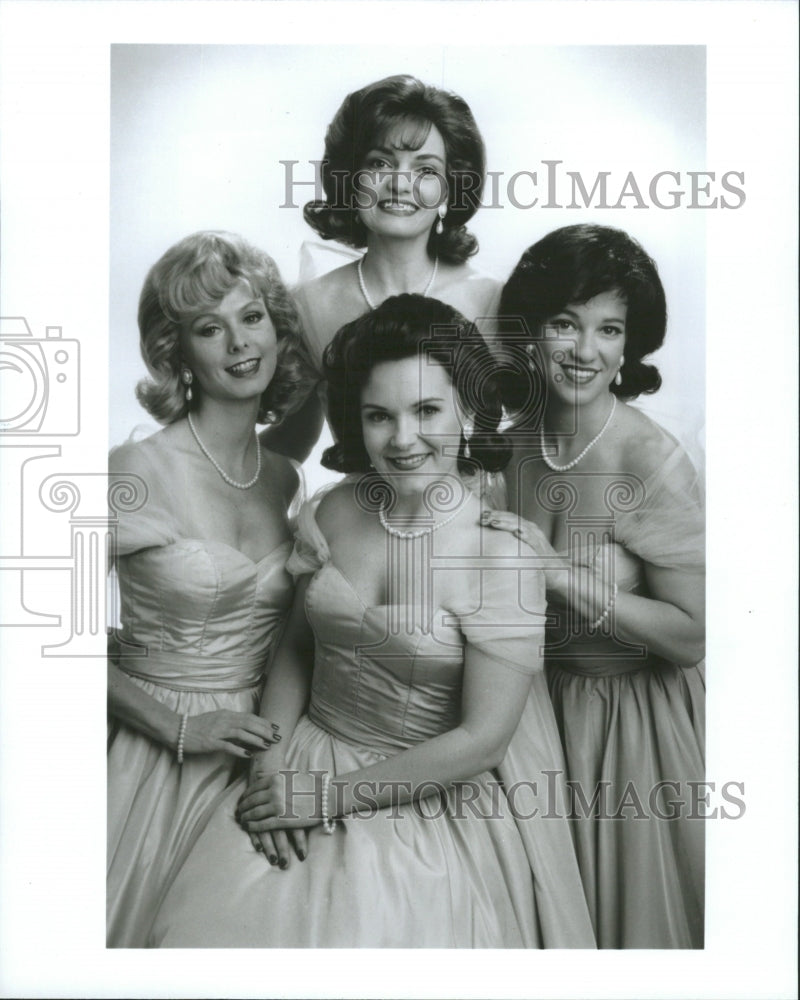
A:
(277, 807)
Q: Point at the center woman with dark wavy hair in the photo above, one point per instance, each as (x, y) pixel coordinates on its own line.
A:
(403, 172)
(409, 658)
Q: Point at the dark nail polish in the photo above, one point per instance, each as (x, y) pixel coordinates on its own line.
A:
(301, 855)
(273, 860)
(283, 863)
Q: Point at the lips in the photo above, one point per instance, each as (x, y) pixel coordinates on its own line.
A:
(407, 463)
(398, 207)
(244, 368)
(579, 376)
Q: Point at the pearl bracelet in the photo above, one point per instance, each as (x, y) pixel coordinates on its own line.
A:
(607, 609)
(328, 824)
(182, 736)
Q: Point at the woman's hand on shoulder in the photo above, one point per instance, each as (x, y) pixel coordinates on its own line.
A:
(531, 535)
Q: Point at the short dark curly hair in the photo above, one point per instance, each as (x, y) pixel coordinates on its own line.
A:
(572, 265)
(196, 272)
(363, 121)
(409, 326)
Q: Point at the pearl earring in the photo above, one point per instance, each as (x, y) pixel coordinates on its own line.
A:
(186, 378)
(440, 223)
(618, 376)
(469, 430)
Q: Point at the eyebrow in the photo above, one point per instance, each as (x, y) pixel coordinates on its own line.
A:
(389, 150)
(419, 402)
(570, 312)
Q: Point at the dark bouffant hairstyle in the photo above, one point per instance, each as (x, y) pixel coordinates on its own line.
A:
(192, 275)
(572, 265)
(363, 122)
(412, 326)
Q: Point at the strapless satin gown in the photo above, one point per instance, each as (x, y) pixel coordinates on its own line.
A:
(629, 721)
(417, 875)
(207, 616)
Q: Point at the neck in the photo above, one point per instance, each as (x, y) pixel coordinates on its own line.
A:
(227, 430)
(412, 506)
(395, 266)
(582, 421)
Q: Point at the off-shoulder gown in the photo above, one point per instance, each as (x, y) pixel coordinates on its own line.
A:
(632, 726)
(416, 875)
(205, 615)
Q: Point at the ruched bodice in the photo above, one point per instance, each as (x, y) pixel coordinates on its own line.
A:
(206, 613)
(403, 684)
(199, 620)
(419, 875)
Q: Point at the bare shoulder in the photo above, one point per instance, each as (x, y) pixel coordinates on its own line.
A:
(338, 510)
(282, 473)
(473, 292)
(646, 446)
(151, 454)
(327, 289)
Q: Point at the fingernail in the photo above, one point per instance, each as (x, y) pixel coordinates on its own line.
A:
(273, 860)
(301, 855)
(283, 863)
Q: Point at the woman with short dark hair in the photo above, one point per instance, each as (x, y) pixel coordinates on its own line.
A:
(613, 504)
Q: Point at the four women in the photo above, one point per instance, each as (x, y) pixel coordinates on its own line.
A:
(406, 700)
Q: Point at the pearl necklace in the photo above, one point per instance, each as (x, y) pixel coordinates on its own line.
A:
(563, 468)
(427, 530)
(365, 293)
(218, 467)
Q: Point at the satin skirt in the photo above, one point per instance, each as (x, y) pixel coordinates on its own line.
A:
(413, 876)
(641, 843)
(157, 808)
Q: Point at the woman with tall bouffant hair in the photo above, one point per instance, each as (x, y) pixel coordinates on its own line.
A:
(613, 505)
(199, 555)
(403, 173)
(398, 686)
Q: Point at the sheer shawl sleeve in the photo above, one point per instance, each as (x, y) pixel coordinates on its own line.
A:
(667, 528)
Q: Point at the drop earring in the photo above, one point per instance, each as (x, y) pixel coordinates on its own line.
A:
(187, 378)
(440, 222)
(618, 376)
(469, 430)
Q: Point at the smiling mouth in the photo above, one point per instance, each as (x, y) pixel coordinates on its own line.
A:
(243, 368)
(398, 207)
(407, 463)
(579, 376)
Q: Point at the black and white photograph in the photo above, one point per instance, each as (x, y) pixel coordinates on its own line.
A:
(393, 541)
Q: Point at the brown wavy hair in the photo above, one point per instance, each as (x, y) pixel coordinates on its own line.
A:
(411, 326)
(363, 121)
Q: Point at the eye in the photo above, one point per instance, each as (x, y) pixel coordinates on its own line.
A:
(612, 331)
(377, 163)
(209, 330)
(375, 417)
(428, 171)
(429, 410)
(254, 318)
(560, 323)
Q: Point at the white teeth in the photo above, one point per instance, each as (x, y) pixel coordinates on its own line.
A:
(578, 374)
(396, 206)
(408, 463)
(244, 367)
